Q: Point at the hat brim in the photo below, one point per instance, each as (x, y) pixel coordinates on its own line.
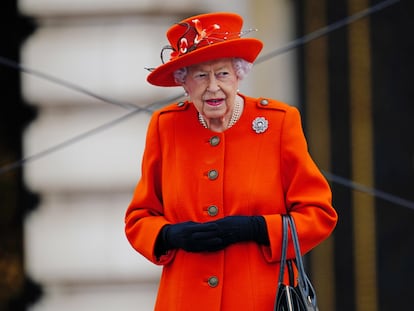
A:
(246, 48)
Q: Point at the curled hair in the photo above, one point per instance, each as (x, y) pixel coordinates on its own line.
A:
(241, 67)
(180, 75)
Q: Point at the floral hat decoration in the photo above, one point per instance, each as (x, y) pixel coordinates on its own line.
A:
(203, 38)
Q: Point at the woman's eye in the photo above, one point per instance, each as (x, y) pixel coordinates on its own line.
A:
(222, 74)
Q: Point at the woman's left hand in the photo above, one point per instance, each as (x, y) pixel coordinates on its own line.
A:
(233, 229)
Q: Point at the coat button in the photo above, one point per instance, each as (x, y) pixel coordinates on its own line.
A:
(212, 174)
(213, 281)
(264, 102)
(180, 104)
(212, 210)
(214, 141)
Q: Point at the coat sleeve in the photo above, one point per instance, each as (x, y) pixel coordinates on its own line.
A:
(144, 217)
(308, 197)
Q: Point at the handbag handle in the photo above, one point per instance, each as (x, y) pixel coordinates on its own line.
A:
(304, 283)
(302, 277)
(284, 248)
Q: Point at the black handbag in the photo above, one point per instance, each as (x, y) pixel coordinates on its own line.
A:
(289, 297)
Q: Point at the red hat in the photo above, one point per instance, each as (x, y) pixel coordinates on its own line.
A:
(203, 38)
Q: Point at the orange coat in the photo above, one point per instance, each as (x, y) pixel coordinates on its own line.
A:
(258, 174)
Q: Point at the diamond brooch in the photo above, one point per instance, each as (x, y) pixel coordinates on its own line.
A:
(260, 125)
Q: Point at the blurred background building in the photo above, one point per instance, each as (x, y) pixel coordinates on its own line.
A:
(77, 112)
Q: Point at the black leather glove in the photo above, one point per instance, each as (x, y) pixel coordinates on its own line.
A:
(190, 236)
(233, 229)
(212, 236)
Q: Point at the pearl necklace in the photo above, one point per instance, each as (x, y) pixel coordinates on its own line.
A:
(237, 110)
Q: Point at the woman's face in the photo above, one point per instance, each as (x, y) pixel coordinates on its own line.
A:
(212, 87)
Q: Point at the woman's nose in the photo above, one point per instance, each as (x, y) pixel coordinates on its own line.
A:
(213, 85)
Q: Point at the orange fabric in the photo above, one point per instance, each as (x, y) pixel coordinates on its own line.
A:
(259, 174)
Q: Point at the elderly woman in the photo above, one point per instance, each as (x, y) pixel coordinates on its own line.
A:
(218, 170)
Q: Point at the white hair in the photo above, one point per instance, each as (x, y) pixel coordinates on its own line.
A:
(241, 66)
(180, 75)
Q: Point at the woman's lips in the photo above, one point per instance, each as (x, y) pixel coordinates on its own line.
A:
(215, 101)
